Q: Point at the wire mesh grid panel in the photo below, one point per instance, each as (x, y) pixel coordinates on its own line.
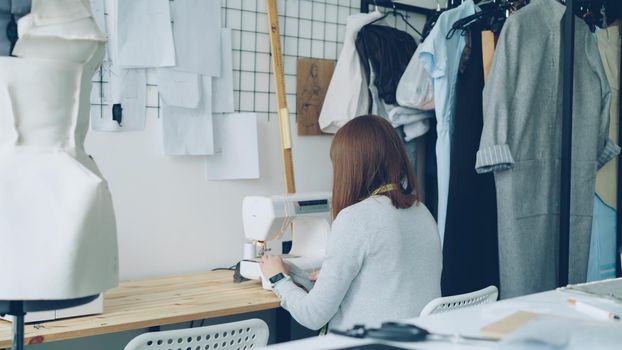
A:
(309, 28)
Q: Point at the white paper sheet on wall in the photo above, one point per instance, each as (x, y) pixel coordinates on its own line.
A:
(178, 89)
(223, 86)
(98, 9)
(196, 29)
(235, 135)
(127, 87)
(189, 131)
(110, 27)
(144, 33)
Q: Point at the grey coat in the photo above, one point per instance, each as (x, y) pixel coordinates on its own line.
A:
(521, 142)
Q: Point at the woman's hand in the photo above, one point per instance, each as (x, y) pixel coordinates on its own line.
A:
(313, 276)
(272, 265)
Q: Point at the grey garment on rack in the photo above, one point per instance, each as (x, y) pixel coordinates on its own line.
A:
(521, 142)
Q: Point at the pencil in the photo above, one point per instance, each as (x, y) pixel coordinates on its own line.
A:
(593, 311)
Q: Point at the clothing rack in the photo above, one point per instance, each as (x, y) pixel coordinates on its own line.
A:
(566, 161)
(566, 170)
(564, 237)
(619, 189)
(395, 5)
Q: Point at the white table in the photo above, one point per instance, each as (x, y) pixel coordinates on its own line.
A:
(469, 321)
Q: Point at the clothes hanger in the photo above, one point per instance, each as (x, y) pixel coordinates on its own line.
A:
(396, 13)
(493, 13)
(592, 12)
(431, 19)
(376, 7)
(613, 10)
(485, 2)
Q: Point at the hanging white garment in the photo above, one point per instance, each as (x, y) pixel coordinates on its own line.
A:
(347, 96)
(57, 224)
(414, 122)
(415, 89)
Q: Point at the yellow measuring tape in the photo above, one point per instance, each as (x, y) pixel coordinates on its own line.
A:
(384, 189)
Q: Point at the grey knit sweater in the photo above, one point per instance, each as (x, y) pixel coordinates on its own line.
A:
(381, 264)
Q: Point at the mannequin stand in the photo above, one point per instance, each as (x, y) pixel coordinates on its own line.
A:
(19, 308)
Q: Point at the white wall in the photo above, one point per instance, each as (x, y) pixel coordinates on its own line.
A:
(170, 219)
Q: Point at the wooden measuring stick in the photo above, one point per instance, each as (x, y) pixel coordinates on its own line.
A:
(277, 63)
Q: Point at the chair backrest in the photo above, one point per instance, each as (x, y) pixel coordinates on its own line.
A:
(455, 302)
(242, 335)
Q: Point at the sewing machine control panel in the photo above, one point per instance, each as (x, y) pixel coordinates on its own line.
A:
(312, 206)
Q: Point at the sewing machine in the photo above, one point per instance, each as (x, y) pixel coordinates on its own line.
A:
(269, 220)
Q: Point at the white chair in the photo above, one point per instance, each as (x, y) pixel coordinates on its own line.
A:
(455, 302)
(242, 335)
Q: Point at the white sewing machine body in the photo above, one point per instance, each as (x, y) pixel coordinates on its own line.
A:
(267, 219)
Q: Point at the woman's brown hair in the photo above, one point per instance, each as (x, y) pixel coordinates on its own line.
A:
(367, 153)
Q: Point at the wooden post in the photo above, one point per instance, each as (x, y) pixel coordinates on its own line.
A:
(277, 64)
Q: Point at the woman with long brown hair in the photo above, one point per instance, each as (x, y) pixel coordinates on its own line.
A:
(383, 259)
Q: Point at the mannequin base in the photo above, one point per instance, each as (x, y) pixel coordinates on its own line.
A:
(19, 308)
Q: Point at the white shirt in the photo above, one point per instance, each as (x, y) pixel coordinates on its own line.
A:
(347, 96)
(415, 89)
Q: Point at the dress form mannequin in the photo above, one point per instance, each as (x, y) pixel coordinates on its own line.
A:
(57, 224)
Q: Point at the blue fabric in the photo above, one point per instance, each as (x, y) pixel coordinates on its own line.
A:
(602, 261)
(440, 57)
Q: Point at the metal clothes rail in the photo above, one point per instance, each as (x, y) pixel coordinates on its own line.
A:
(567, 53)
(394, 5)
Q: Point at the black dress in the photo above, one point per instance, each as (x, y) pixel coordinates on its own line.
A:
(470, 250)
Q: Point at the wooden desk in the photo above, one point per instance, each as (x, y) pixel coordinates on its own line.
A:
(155, 302)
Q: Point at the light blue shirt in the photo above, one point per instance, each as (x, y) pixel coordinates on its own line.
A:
(441, 59)
(602, 261)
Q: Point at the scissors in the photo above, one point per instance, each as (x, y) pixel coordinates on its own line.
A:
(405, 332)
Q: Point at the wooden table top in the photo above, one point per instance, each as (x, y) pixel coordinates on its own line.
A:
(155, 302)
